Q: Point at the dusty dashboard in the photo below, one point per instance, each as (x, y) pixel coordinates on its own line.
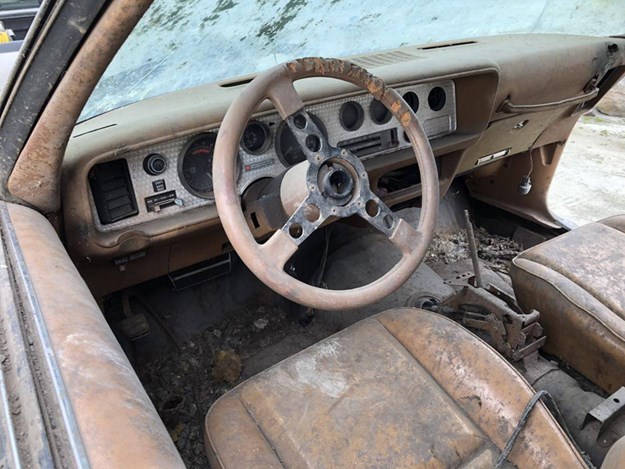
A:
(174, 176)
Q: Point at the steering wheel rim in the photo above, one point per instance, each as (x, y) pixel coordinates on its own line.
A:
(267, 260)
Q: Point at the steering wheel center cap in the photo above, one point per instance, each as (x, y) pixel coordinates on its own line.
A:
(337, 183)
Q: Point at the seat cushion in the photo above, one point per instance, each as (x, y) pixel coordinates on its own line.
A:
(577, 282)
(406, 388)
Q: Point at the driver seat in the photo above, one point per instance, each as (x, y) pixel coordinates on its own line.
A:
(405, 388)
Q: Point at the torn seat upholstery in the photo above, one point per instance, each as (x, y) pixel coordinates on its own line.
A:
(577, 283)
(406, 388)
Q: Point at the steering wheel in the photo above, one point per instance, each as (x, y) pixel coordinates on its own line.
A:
(332, 183)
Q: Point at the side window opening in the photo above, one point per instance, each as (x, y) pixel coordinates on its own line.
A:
(589, 184)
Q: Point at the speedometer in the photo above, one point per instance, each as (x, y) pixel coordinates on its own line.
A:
(195, 165)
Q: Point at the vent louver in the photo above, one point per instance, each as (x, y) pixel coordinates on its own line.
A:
(112, 191)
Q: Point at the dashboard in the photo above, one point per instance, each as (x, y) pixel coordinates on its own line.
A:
(136, 182)
(168, 178)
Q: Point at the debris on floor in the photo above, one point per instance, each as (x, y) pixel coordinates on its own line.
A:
(184, 383)
(495, 251)
(227, 367)
(261, 323)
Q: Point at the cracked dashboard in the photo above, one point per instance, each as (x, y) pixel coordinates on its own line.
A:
(168, 178)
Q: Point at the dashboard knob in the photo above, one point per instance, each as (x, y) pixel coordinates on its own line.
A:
(154, 164)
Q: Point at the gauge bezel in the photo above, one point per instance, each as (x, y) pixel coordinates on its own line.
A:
(388, 115)
(266, 144)
(183, 153)
(360, 115)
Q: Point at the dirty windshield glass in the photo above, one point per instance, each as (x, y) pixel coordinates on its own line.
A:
(184, 43)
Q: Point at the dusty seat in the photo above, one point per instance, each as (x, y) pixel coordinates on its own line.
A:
(405, 388)
(577, 282)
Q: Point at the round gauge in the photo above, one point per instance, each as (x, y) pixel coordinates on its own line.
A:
(379, 113)
(256, 138)
(288, 150)
(412, 100)
(195, 165)
(351, 116)
(437, 98)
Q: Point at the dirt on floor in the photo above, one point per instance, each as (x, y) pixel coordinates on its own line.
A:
(494, 251)
(184, 383)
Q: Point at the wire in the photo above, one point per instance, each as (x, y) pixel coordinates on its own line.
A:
(551, 404)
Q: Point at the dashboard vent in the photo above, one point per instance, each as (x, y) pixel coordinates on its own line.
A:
(112, 191)
(384, 58)
(372, 143)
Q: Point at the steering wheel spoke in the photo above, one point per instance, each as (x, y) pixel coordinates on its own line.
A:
(284, 97)
(400, 232)
(291, 108)
(310, 138)
(279, 248)
(310, 215)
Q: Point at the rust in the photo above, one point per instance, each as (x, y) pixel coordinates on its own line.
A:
(513, 334)
(37, 173)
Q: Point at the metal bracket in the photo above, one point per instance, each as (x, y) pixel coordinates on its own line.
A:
(607, 411)
(513, 334)
(460, 280)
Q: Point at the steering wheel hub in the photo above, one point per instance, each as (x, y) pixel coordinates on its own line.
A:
(337, 182)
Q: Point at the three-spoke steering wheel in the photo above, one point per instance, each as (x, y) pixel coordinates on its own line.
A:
(336, 185)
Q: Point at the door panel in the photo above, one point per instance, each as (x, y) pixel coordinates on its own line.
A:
(117, 422)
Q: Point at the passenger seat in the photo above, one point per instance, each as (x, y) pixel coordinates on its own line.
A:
(577, 282)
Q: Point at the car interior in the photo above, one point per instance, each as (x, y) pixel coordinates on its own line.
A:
(337, 262)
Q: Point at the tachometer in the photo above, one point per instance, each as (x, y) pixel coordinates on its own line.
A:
(195, 165)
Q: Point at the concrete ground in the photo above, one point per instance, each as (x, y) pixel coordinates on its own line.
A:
(589, 183)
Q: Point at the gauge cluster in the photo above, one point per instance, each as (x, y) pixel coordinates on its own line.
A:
(176, 175)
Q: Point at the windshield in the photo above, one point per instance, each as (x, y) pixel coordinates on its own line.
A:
(184, 43)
